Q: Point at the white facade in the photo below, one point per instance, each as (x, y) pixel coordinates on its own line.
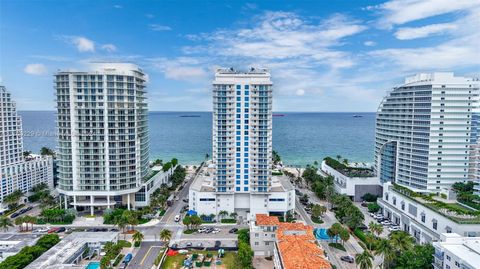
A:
(426, 132)
(354, 187)
(455, 251)
(424, 224)
(103, 135)
(16, 172)
(242, 148)
(262, 239)
(205, 200)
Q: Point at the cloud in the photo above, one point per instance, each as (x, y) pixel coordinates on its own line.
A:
(82, 44)
(408, 33)
(117, 6)
(181, 68)
(369, 43)
(35, 69)
(109, 47)
(300, 92)
(453, 54)
(159, 27)
(397, 12)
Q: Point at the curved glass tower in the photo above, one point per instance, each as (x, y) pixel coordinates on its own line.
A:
(424, 135)
(103, 134)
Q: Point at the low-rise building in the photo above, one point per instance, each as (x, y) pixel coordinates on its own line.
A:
(296, 247)
(204, 199)
(455, 251)
(72, 249)
(353, 185)
(262, 234)
(11, 244)
(426, 218)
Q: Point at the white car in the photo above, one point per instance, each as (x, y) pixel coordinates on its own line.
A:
(177, 218)
(387, 222)
(202, 230)
(394, 228)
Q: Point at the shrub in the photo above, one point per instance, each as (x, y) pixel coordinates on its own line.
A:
(124, 244)
(228, 221)
(337, 246)
(373, 207)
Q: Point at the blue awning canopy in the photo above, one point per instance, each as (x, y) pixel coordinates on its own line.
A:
(191, 213)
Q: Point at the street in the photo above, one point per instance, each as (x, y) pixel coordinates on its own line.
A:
(146, 255)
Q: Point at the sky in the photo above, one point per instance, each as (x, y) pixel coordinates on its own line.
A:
(325, 56)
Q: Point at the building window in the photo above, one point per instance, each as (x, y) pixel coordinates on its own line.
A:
(267, 243)
(256, 234)
(448, 257)
(256, 243)
(434, 226)
(423, 217)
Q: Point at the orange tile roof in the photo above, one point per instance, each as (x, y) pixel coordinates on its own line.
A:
(266, 220)
(298, 247)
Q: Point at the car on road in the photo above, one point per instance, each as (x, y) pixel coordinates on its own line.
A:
(14, 215)
(174, 246)
(188, 244)
(177, 218)
(233, 230)
(202, 230)
(60, 230)
(114, 230)
(53, 230)
(185, 200)
(42, 230)
(348, 259)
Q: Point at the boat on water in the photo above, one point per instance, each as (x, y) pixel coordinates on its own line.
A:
(357, 116)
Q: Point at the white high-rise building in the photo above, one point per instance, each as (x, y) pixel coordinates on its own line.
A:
(103, 144)
(17, 172)
(426, 140)
(242, 148)
(426, 132)
(455, 251)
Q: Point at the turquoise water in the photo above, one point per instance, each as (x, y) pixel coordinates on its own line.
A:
(93, 265)
(321, 234)
(300, 138)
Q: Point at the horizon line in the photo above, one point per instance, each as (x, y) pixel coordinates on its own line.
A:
(203, 111)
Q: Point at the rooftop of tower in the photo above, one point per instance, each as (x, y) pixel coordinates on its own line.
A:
(437, 77)
(251, 70)
(120, 68)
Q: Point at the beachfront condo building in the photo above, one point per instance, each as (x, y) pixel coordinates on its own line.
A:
(242, 149)
(426, 140)
(103, 143)
(18, 172)
(426, 132)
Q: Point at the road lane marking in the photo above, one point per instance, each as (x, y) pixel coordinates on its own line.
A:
(146, 254)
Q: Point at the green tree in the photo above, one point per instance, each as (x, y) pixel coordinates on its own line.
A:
(5, 222)
(384, 249)
(375, 228)
(165, 235)
(12, 199)
(353, 216)
(419, 257)
(187, 221)
(195, 221)
(401, 241)
(339, 157)
(318, 210)
(334, 230)
(47, 151)
(364, 260)
(27, 153)
(137, 237)
(244, 235)
(373, 207)
(344, 235)
(233, 215)
(222, 213)
(245, 255)
(174, 162)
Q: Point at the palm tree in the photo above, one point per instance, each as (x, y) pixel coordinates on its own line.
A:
(233, 215)
(121, 223)
(379, 229)
(165, 235)
(5, 222)
(401, 241)
(222, 213)
(137, 237)
(375, 228)
(339, 157)
(19, 222)
(364, 260)
(344, 235)
(12, 199)
(345, 162)
(384, 248)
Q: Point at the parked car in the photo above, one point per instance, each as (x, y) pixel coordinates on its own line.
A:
(14, 215)
(114, 230)
(53, 230)
(60, 230)
(189, 244)
(394, 228)
(185, 200)
(348, 259)
(199, 245)
(174, 246)
(218, 244)
(364, 204)
(29, 208)
(233, 230)
(202, 229)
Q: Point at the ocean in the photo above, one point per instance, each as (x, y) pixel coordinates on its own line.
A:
(299, 138)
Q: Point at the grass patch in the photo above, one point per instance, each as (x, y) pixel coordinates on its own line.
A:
(230, 261)
(176, 262)
(118, 259)
(337, 246)
(228, 221)
(161, 212)
(143, 221)
(124, 244)
(190, 231)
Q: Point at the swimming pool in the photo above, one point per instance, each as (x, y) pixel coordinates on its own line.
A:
(321, 234)
(93, 265)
